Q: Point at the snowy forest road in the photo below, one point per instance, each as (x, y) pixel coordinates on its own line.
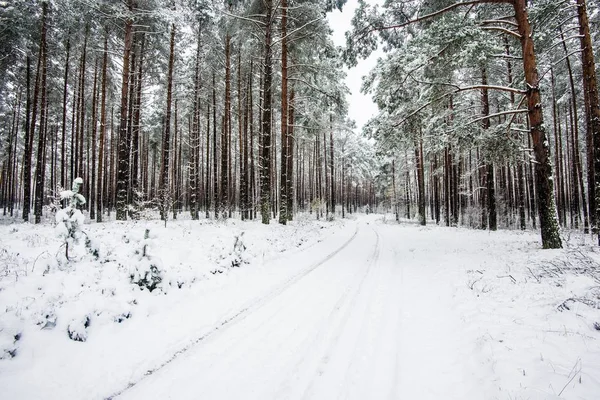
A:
(342, 330)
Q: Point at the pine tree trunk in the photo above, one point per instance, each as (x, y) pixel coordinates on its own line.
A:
(207, 196)
(41, 161)
(521, 186)
(130, 107)
(265, 159)
(245, 179)
(446, 186)
(489, 167)
(226, 133)
(290, 159)
(63, 150)
(252, 186)
(195, 137)
(215, 162)
(590, 86)
(101, 167)
(574, 137)
(543, 168)
(175, 178)
(92, 181)
(122, 154)
(135, 131)
(562, 211)
(165, 196)
(332, 179)
(81, 113)
(30, 133)
(284, 116)
(420, 182)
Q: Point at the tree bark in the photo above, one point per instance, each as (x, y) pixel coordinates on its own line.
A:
(122, 154)
(265, 159)
(165, 196)
(41, 161)
(101, 167)
(284, 116)
(543, 168)
(590, 87)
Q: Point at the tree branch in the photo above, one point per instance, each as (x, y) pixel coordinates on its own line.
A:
(501, 29)
(499, 21)
(436, 13)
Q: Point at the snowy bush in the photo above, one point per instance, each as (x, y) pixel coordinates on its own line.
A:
(147, 272)
(10, 335)
(69, 219)
(77, 329)
(235, 257)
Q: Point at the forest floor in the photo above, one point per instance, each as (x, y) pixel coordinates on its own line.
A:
(362, 308)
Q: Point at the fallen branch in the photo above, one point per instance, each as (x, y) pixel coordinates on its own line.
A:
(507, 276)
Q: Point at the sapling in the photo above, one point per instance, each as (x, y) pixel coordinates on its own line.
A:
(147, 272)
(70, 218)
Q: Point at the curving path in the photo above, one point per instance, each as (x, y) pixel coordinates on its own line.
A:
(333, 332)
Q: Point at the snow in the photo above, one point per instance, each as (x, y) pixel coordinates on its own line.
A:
(357, 308)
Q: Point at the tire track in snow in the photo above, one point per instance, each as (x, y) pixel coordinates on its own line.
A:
(322, 364)
(238, 316)
(395, 388)
(368, 319)
(321, 334)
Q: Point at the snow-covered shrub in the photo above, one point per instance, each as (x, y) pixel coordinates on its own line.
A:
(239, 250)
(69, 219)
(77, 329)
(235, 257)
(47, 318)
(147, 273)
(10, 335)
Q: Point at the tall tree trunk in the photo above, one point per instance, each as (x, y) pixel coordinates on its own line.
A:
(81, 132)
(130, 106)
(92, 181)
(252, 187)
(215, 163)
(226, 133)
(136, 129)
(489, 168)
(122, 154)
(28, 143)
(265, 159)
(284, 116)
(290, 158)
(590, 86)
(331, 171)
(241, 143)
(521, 188)
(101, 167)
(195, 138)
(165, 196)
(63, 150)
(574, 138)
(30, 133)
(245, 189)
(420, 182)
(41, 161)
(446, 186)
(557, 175)
(207, 197)
(543, 168)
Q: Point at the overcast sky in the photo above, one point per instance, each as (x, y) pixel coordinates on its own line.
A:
(361, 108)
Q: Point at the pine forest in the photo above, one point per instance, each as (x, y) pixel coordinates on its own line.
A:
(378, 166)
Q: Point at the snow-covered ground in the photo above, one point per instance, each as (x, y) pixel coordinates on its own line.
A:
(362, 308)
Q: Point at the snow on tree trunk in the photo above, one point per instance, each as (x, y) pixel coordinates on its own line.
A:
(543, 168)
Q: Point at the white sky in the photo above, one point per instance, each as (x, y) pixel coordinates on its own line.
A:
(361, 107)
